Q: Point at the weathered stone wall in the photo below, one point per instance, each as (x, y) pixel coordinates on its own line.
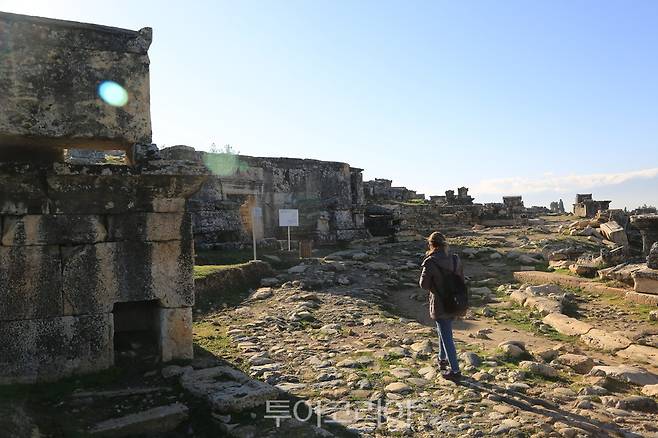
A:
(50, 71)
(380, 189)
(588, 207)
(413, 222)
(328, 195)
(428, 218)
(211, 289)
(75, 240)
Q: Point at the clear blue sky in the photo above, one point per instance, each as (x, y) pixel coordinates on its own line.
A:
(538, 98)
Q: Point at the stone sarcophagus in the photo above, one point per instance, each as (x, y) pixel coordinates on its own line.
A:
(52, 76)
(95, 259)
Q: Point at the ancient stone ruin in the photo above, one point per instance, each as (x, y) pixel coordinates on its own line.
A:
(586, 206)
(92, 257)
(381, 189)
(462, 197)
(328, 195)
(557, 207)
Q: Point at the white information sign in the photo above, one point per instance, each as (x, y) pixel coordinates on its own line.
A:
(288, 218)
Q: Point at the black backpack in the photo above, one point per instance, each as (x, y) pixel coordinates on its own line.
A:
(455, 291)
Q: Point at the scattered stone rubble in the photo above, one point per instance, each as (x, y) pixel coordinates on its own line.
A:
(327, 342)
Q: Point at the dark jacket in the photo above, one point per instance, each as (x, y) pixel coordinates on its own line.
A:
(431, 279)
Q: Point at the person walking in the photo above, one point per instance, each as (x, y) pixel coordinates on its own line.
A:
(437, 265)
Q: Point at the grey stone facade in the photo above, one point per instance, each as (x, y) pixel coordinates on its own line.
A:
(328, 195)
(91, 237)
(77, 241)
(586, 206)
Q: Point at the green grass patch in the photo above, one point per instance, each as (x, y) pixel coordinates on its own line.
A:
(205, 270)
(521, 318)
(506, 358)
(473, 242)
(215, 339)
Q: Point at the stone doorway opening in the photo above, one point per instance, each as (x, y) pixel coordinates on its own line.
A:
(136, 332)
(379, 221)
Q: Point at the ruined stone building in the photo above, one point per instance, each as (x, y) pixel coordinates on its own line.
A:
(381, 189)
(557, 207)
(329, 197)
(93, 258)
(586, 206)
(462, 197)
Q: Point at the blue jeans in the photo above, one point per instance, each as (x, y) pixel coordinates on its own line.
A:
(447, 348)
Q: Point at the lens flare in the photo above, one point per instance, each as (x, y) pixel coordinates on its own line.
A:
(113, 93)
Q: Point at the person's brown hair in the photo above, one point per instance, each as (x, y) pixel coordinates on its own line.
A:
(436, 242)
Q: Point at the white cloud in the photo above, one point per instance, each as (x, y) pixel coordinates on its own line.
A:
(554, 183)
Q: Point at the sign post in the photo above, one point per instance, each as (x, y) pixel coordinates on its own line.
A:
(256, 213)
(288, 218)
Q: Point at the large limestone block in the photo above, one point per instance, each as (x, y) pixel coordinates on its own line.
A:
(159, 186)
(154, 421)
(603, 340)
(543, 305)
(625, 373)
(175, 332)
(519, 296)
(648, 299)
(97, 276)
(52, 229)
(566, 325)
(50, 72)
(577, 362)
(21, 190)
(90, 192)
(220, 221)
(641, 353)
(47, 349)
(172, 273)
(615, 233)
(343, 219)
(150, 227)
(646, 281)
(227, 389)
(30, 282)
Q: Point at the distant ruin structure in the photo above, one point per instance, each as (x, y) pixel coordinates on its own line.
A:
(92, 257)
(381, 189)
(586, 206)
(557, 207)
(462, 197)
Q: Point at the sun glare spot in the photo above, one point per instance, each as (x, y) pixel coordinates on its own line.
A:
(113, 93)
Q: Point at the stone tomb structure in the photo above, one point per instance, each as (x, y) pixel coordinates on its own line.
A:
(91, 256)
(381, 189)
(329, 196)
(646, 279)
(586, 206)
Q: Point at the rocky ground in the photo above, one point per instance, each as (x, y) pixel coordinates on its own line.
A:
(341, 345)
(349, 334)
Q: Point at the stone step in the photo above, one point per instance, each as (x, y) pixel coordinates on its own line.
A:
(152, 421)
(566, 325)
(640, 353)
